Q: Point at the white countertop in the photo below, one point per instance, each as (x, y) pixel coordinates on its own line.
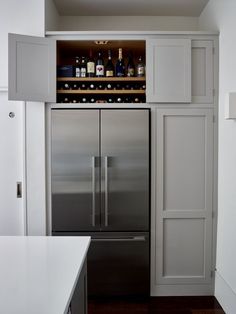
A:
(38, 274)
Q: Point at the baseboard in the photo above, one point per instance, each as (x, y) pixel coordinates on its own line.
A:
(182, 290)
(225, 294)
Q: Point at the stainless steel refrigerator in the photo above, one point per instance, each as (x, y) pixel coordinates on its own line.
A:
(100, 187)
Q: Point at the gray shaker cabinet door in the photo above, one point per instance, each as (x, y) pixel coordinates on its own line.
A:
(32, 68)
(168, 70)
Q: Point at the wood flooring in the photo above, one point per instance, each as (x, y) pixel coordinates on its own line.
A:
(156, 305)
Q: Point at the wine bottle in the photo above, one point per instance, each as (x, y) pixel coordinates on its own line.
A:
(66, 86)
(75, 86)
(119, 100)
(84, 100)
(120, 66)
(110, 100)
(83, 67)
(109, 86)
(77, 67)
(83, 86)
(109, 72)
(140, 67)
(130, 66)
(92, 100)
(90, 65)
(100, 86)
(92, 86)
(99, 65)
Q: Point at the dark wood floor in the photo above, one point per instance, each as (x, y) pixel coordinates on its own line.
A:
(156, 305)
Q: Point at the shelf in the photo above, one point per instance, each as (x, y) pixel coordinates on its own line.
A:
(71, 91)
(101, 79)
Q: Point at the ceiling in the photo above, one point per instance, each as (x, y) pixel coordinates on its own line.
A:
(131, 7)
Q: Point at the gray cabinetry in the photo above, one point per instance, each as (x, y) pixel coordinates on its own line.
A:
(168, 63)
(202, 71)
(183, 196)
(32, 68)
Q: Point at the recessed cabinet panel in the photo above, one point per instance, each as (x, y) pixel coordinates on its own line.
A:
(184, 160)
(202, 71)
(169, 70)
(188, 237)
(32, 68)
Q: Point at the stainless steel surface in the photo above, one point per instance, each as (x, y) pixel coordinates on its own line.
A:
(75, 196)
(94, 189)
(119, 264)
(128, 239)
(125, 139)
(106, 190)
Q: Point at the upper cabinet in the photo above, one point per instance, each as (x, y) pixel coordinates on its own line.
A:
(202, 71)
(168, 70)
(32, 68)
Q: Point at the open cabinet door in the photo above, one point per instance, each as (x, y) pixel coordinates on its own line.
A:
(32, 68)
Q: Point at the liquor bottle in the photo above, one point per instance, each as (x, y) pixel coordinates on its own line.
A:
(130, 66)
(120, 66)
(90, 65)
(119, 100)
(92, 86)
(99, 65)
(109, 71)
(77, 67)
(109, 86)
(66, 86)
(110, 100)
(83, 86)
(140, 67)
(83, 67)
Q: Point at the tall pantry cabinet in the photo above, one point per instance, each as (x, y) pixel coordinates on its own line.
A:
(181, 90)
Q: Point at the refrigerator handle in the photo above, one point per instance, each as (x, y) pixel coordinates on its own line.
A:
(106, 190)
(93, 190)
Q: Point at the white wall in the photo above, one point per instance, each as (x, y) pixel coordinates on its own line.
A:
(96, 23)
(22, 17)
(221, 15)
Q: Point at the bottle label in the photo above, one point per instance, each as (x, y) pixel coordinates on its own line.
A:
(141, 71)
(83, 72)
(90, 67)
(77, 72)
(100, 70)
(130, 72)
(109, 73)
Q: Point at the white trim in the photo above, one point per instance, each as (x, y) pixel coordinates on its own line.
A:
(202, 33)
(183, 290)
(225, 294)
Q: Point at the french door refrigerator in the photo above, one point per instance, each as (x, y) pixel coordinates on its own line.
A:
(100, 187)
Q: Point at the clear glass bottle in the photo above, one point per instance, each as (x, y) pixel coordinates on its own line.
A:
(83, 67)
(77, 67)
(140, 67)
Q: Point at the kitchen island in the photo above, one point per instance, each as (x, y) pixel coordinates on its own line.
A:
(43, 275)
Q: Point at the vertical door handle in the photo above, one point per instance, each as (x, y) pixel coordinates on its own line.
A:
(106, 190)
(19, 189)
(93, 190)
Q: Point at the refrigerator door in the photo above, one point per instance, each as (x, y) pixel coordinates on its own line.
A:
(118, 264)
(125, 170)
(75, 170)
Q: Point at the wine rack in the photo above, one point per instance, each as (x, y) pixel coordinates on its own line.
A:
(101, 90)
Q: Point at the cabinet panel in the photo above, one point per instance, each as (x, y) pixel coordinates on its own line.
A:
(184, 196)
(202, 71)
(168, 70)
(32, 68)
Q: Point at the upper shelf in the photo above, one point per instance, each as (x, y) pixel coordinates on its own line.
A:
(101, 79)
